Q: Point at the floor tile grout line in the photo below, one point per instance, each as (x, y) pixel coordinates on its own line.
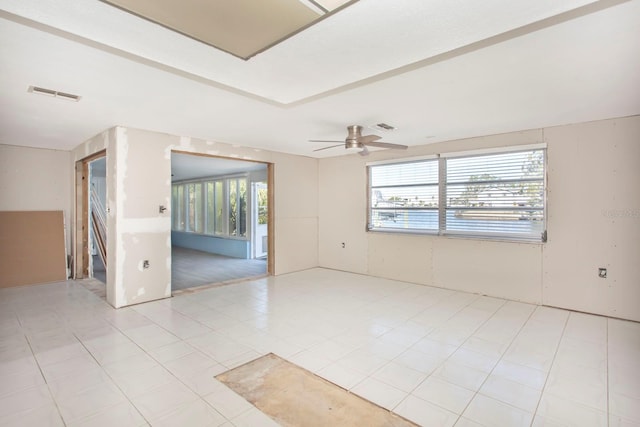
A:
(427, 334)
(160, 364)
(504, 302)
(477, 392)
(55, 402)
(112, 379)
(546, 379)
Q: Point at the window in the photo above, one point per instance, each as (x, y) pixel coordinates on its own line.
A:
(500, 195)
(177, 202)
(194, 207)
(404, 196)
(238, 207)
(214, 207)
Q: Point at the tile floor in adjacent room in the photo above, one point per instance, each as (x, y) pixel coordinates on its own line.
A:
(435, 356)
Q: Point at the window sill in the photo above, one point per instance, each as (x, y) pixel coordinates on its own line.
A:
(449, 235)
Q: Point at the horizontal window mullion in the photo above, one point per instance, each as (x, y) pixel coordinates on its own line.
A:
(430, 184)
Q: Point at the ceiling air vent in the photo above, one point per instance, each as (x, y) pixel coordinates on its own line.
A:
(384, 127)
(54, 93)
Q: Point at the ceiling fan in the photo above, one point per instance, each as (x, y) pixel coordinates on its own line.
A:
(355, 139)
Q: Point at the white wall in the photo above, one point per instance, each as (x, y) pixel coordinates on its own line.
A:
(594, 218)
(594, 221)
(35, 179)
(139, 180)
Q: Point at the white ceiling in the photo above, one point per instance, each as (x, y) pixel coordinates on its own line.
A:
(436, 70)
(189, 166)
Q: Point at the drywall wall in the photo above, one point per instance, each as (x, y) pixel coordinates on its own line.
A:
(594, 218)
(593, 221)
(235, 248)
(462, 264)
(138, 175)
(36, 179)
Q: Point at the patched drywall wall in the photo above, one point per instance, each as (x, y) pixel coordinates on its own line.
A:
(342, 197)
(593, 221)
(139, 181)
(594, 218)
(36, 179)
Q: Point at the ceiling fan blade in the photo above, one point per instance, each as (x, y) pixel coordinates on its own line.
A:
(386, 145)
(323, 140)
(368, 138)
(331, 146)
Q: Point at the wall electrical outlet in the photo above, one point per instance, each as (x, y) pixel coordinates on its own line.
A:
(145, 264)
(602, 273)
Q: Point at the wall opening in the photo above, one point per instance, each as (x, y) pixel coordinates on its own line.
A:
(221, 220)
(83, 246)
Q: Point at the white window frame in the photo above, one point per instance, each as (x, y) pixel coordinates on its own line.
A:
(181, 223)
(442, 205)
(371, 204)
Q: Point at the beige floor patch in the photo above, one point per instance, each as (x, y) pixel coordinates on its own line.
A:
(294, 397)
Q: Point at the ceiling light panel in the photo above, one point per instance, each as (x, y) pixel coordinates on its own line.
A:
(242, 28)
(331, 5)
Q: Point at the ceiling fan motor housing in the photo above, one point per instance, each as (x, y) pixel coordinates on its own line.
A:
(352, 140)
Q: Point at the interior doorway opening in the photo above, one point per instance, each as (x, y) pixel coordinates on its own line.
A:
(89, 255)
(221, 220)
(98, 219)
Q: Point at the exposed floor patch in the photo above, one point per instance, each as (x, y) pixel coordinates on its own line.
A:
(293, 396)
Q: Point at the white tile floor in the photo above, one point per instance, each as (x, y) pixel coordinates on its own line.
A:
(434, 356)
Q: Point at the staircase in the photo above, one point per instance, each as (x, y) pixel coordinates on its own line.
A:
(99, 225)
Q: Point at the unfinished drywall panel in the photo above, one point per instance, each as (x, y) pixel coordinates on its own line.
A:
(32, 247)
(405, 257)
(36, 179)
(143, 230)
(343, 208)
(594, 220)
(294, 248)
(296, 212)
(146, 177)
(144, 267)
(501, 269)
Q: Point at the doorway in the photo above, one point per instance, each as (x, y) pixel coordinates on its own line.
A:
(91, 227)
(98, 219)
(260, 220)
(220, 220)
